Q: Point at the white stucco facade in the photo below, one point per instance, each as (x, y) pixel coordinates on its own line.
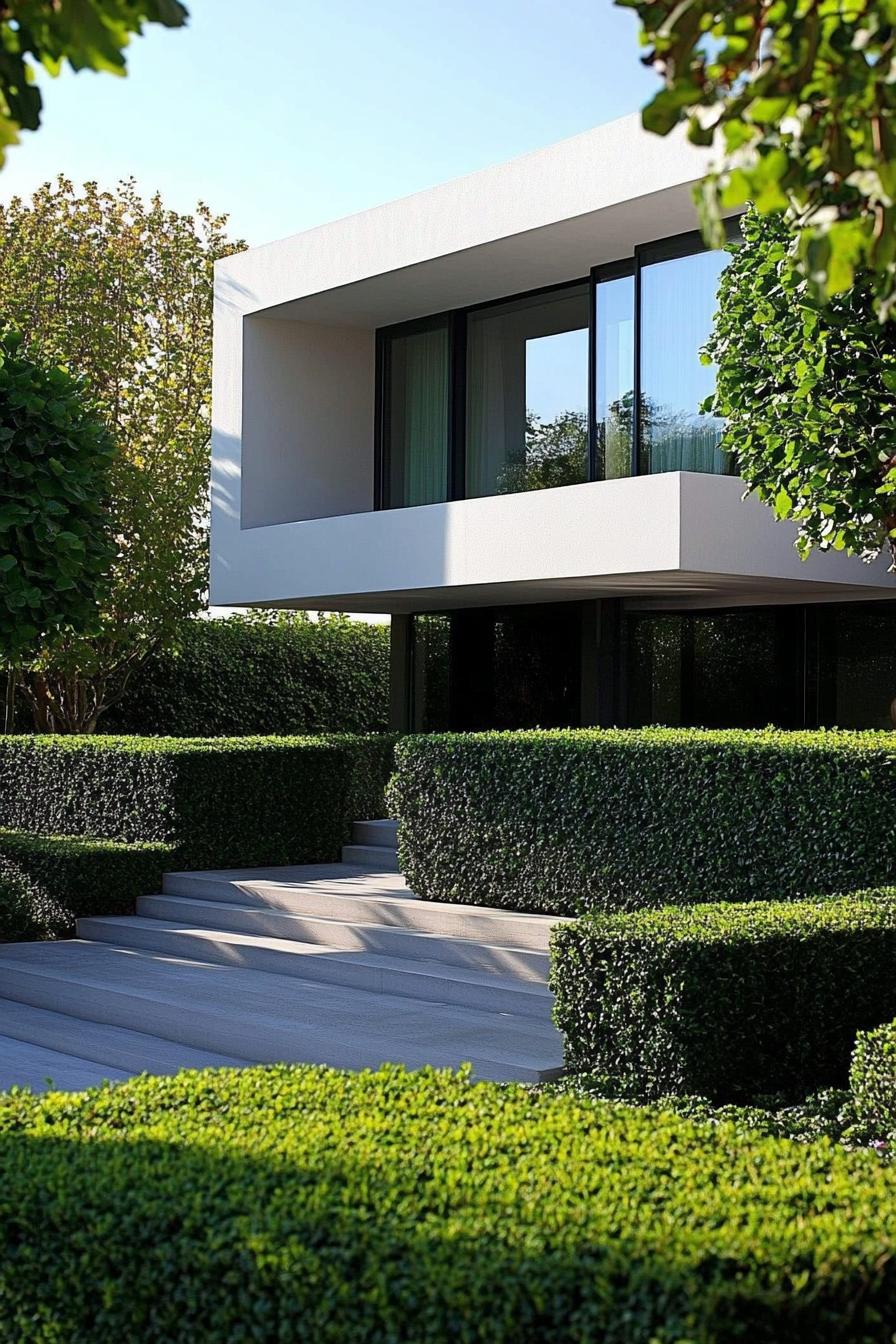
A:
(293, 478)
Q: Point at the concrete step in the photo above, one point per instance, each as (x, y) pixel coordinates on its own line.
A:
(381, 858)
(117, 1047)
(33, 1066)
(429, 981)
(332, 892)
(349, 933)
(265, 1017)
(376, 833)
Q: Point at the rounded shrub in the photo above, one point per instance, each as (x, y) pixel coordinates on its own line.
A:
(27, 910)
(55, 543)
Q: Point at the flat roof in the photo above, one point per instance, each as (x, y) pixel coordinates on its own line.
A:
(542, 218)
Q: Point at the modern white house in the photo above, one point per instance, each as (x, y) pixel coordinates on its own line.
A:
(427, 409)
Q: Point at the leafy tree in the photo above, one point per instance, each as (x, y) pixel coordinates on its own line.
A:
(809, 395)
(55, 547)
(800, 97)
(122, 290)
(89, 34)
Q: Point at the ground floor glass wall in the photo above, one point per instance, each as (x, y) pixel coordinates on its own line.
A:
(571, 663)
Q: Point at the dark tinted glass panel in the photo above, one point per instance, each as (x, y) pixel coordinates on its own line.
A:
(678, 299)
(417, 402)
(614, 370)
(430, 681)
(857, 665)
(527, 394)
(507, 668)
(739, 669)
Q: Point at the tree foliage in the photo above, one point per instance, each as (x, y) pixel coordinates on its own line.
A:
(55, 460)
(800, 98)
(89, 34)
(122, 290)
(809, 395)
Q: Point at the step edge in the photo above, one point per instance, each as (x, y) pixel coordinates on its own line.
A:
(373, 960)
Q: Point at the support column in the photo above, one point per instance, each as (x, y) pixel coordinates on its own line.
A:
(400, 637)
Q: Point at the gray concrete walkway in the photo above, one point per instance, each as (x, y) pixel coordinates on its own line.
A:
(337, 964)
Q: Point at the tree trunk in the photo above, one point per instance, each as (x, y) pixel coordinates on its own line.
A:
(9, 706)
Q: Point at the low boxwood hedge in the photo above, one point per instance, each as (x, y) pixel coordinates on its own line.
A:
(47, 882)
(304, 1204)
(873, 1079)
(561, 822)
(725, 1001)
(220, 802)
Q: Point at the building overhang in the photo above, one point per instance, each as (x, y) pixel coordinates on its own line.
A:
(675, 539)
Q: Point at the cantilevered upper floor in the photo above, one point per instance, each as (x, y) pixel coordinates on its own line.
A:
(489, 392)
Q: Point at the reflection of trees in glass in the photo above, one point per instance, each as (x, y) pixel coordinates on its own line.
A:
(614, 437)
(432, 635)
(671, 439)
(556, 453)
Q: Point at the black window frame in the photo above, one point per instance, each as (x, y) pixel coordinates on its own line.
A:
(644, 254)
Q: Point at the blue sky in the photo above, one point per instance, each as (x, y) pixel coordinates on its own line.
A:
(287, 113)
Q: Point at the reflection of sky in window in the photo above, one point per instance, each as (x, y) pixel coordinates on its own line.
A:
(678, 301)
(557, 374)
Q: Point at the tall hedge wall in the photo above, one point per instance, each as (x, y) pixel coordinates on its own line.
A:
(729, 1001)
(253, 675)
(563, 822)
(220, 802)
(308, 1205)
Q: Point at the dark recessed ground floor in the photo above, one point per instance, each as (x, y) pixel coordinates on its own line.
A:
(606, 662)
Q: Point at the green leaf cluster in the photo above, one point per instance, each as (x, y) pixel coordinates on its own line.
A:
(799, 101)
(612, 819)
(808, 396)
(305, 1204)
(725, 1000)
(56, 549)
(220, 802)
(88, 34)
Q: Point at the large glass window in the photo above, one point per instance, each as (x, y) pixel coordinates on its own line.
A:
(417, 378)
(527, 394)
(678, 300)
(614, 327)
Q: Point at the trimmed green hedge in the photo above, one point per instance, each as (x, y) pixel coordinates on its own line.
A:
(310, 1205)
(220, 802)
(562, 822)
(249, 674)
(873, 1079)
(725, 1001)
(49, 881)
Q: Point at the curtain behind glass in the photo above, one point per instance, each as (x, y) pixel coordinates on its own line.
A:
(418, 419)
(678, 299)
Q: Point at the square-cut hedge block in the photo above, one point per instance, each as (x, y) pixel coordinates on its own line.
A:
(220, 802)
(726, 1001)
(325, 1207)
(568, 821)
